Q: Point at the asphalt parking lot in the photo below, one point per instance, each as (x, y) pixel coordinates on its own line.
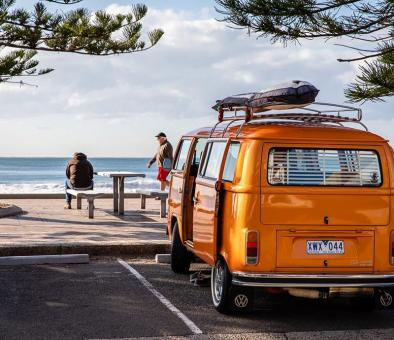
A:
(104, 300)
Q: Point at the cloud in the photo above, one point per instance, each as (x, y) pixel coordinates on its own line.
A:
(172, 86)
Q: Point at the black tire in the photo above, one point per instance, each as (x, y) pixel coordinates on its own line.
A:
(180, 256)
(384, 298)
(227, 298)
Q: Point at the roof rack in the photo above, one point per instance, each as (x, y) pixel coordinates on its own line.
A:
(314, 113)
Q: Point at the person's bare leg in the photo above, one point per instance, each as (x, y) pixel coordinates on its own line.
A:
(163, 185)
(167, 184)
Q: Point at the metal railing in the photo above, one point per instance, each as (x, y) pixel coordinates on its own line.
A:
(315, 113)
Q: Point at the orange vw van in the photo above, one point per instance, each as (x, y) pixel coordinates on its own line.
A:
(296, 202)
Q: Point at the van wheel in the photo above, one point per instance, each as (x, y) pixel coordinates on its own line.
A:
(180, 256)
(226, 297)
(384, 298)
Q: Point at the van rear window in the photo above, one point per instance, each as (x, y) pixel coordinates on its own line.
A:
(323, 167)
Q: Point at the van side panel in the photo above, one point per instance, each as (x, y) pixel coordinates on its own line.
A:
(240, 205)
(383, 234)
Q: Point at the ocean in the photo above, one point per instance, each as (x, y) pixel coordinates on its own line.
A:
(47, 175)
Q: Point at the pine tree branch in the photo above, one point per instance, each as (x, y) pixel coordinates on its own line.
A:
(371, 22)
(335, 5)
(79, 50)
(373, 39)
(381, 53)
(77, 31)
(358, 49)
(374, 82)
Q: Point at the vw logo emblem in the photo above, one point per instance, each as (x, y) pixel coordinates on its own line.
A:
(386, 299)
(241, 301)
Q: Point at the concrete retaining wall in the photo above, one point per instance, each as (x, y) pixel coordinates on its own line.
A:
(145, 249)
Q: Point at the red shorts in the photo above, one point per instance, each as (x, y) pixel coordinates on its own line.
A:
(162, 174)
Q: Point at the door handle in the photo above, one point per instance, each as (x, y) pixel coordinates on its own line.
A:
(197, 198)
(180, 190)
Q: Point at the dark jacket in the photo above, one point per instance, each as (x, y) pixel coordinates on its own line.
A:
(80, 171)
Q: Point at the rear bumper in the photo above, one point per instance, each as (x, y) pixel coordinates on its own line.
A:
(316, 281)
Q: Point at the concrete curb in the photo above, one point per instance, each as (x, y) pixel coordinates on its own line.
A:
(147, 249)
(358, 334)
(12, 210)
(163, 258)
(44, 259)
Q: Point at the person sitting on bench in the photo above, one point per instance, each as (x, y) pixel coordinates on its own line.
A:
(79, 174)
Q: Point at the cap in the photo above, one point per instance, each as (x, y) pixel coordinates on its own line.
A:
(160, 134)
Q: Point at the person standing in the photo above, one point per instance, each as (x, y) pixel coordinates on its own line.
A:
(163, 157)
(79, 174)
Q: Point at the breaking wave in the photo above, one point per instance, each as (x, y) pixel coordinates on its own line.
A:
(57, 187)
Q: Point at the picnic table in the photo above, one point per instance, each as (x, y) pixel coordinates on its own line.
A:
(118, 186)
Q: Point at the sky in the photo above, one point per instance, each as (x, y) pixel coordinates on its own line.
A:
(113, 106)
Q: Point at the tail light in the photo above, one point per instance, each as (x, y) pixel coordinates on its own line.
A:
(252, 247)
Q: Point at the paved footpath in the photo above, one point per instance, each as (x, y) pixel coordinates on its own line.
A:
(47, 225)
(141, 299)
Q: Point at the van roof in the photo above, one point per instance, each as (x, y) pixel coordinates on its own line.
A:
(288, 131)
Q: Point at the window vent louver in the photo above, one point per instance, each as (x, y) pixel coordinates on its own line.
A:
(323, 167)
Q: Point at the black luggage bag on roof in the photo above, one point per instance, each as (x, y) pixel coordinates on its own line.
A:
(294, 94)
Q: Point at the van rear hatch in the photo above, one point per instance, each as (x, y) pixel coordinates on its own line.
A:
(313, 186)
(325, 204)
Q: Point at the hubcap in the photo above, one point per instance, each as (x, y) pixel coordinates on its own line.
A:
(218, 279)
(241, 301)
(386, 299)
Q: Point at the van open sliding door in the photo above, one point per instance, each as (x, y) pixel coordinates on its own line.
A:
(206, 201)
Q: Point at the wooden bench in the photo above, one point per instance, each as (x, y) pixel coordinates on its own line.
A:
(90, 195)
(161, 195)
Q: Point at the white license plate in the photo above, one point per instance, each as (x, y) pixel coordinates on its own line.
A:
(325, 247)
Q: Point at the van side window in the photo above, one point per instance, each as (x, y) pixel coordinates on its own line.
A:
(182, 155)
(213, 159)
(231, 162)
(197, 155)
(199, 150)
(324, 167)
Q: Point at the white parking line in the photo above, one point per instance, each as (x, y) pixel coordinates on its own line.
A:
(190, 324)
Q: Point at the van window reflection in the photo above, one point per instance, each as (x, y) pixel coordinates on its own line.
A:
(182, 155)
(213, 161)
(231, 162)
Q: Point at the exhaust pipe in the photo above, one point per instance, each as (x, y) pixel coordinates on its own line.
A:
(307, 293)
(346, 292)
(350, 292)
